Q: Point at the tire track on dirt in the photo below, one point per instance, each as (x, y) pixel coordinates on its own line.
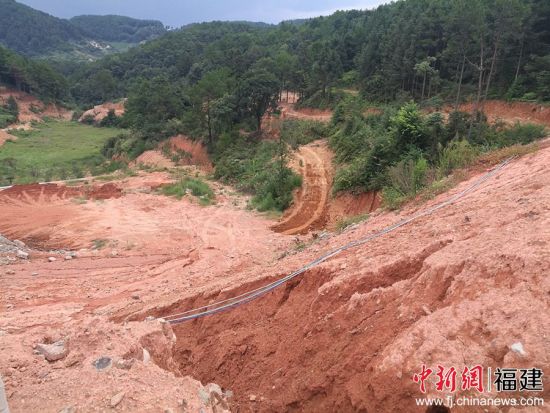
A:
(308, 212)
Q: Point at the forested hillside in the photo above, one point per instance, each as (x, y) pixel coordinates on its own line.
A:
(32, 32)
(414, 48)
(118, 28)
(215, 80)
(37, 34)
(31, 76)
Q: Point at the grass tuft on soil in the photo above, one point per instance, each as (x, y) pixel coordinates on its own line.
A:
(194, 186)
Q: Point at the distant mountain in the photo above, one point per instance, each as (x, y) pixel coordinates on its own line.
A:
(37, 34)
(32, 32)
(118, 28)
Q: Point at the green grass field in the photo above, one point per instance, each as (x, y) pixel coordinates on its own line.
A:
(54, 150)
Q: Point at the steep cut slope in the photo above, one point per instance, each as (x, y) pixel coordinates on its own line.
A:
(458, 288)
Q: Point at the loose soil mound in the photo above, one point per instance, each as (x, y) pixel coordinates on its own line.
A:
(5, 136)
(99, 112)
(512, 112)
(195, 152)
(154, 159)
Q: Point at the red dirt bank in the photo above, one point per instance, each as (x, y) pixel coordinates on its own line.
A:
(456, 288)
(459, 287)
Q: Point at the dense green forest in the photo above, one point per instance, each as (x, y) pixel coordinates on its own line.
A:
(32, 76)
(407, 49)
(33, 33)
(215, 81)
(118, 28)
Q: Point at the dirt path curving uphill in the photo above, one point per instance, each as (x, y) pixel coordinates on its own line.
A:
(313, 163)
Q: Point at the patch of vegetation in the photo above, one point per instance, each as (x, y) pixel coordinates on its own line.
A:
(257, 168)
(9, 112)
(176, 155)
(55, 150)
(301, 132)
(343, 223)
(125, 145)
(402, 152)
(194, 186)
(100, 243)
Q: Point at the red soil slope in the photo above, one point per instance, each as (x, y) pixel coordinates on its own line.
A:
(457, 288)
(31, 108)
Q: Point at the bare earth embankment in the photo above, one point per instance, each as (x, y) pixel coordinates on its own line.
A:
(105, 260)
(459, 287)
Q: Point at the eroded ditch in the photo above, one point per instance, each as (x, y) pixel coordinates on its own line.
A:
(304, 346)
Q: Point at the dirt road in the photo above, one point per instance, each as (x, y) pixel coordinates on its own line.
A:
(314, 163)
(289, 111)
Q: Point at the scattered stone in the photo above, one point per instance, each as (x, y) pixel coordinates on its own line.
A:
(19, 244)
(324, 234)
(10, 272)
(68, 409)
(252, 398)
(124, 364)
(114, 253)
(518, 348)
(135, 297)
(149, 318)
(22, 255)
(53, 352)
(52, 259)
(169, 410)
(214, 388)
(204, 395)
(68, 257)
(34, 274)
(117, 398)
(228, 394)
(426, 310)
(146, 356)
(102, 363)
